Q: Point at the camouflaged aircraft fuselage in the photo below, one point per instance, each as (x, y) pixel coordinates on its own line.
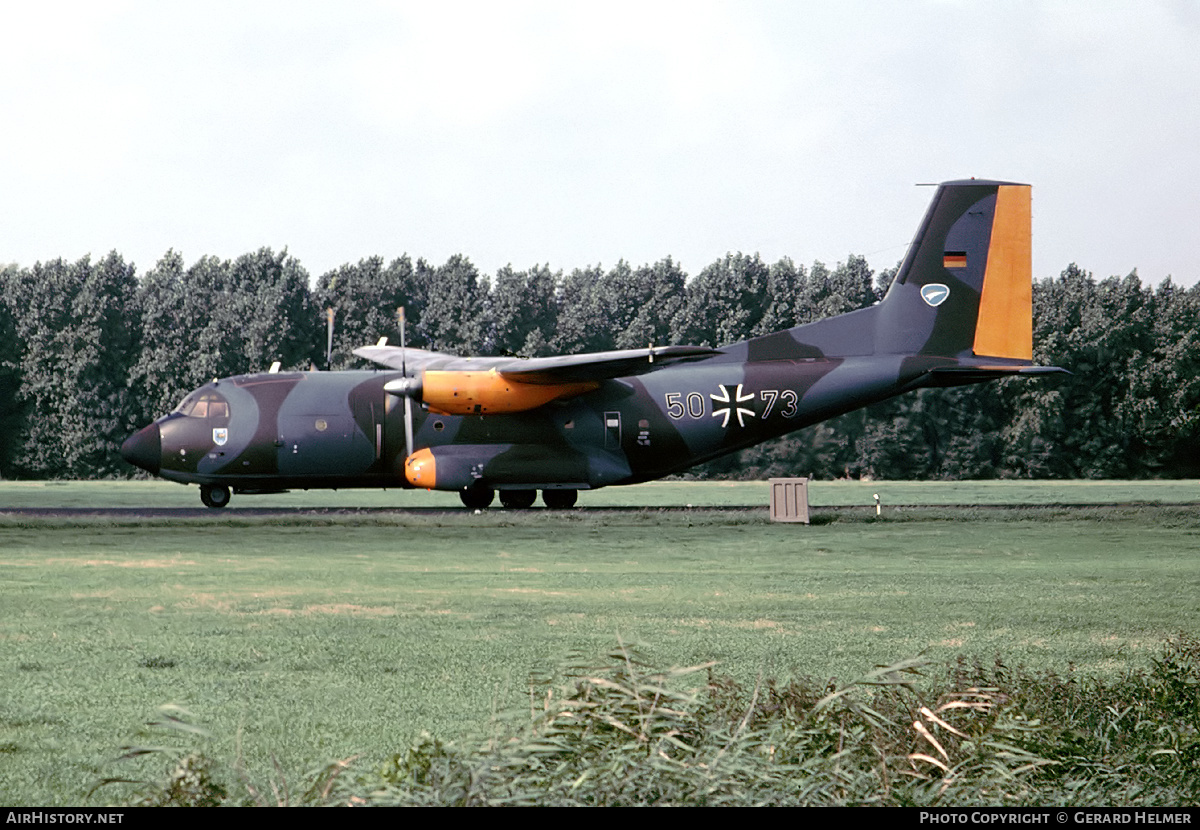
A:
(958, 312)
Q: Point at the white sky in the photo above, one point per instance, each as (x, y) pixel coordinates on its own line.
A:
(582, 133)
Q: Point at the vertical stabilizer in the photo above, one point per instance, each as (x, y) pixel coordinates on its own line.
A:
(965, 287)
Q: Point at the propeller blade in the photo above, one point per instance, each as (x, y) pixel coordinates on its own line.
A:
(408, 415)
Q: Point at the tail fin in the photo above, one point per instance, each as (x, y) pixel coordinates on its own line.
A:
(965, 288)
(961, 307)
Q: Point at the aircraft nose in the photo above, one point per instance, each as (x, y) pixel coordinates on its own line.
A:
(144, 449)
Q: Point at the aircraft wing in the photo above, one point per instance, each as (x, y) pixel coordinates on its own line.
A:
(391, 356)
(544, 371)
(579, 368)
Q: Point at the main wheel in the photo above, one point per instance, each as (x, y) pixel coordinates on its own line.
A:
(560, 499)
(518, 499)
(477, 498)
(214, 495)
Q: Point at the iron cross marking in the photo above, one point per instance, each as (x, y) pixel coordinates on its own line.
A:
(736, 398)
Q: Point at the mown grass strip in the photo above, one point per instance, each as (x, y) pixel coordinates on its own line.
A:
(160, 494)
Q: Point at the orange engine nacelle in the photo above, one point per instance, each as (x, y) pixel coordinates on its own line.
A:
(530, 466)
(420, 469)
(490, 393)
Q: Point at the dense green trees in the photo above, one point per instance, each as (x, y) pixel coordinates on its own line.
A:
(11, 406)
(88, 352)
(454, 297)
(1131, 407)
(365, 299)
(220, 318)
(523, 311)
(75, 336)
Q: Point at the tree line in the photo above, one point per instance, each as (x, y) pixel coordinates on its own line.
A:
(91, 350)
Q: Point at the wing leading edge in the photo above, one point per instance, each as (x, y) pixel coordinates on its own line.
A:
(574, 368)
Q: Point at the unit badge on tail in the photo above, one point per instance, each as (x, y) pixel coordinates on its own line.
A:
(935, 294)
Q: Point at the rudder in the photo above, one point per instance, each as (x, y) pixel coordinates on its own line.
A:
(1005, 324)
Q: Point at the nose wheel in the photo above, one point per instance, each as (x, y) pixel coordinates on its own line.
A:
(214, 495)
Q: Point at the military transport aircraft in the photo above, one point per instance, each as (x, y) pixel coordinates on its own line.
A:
(958, 312)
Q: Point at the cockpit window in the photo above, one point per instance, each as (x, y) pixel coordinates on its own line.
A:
(204, 405)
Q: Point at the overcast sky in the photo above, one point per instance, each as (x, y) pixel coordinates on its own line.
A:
(581, 133)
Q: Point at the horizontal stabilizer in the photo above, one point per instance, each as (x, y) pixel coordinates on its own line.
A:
(962, 375)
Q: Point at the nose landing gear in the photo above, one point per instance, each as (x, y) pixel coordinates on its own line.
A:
(214, 495)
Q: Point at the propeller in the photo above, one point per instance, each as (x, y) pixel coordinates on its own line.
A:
(408, 416)
(329, 340)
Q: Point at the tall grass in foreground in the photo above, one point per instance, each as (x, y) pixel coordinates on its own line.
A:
(617, 731)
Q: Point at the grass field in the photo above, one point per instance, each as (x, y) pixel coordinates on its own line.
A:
(122, 494)
(319, 635)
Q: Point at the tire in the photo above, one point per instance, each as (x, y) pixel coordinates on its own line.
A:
(215, 496)
(518, 499)
(477, 498)
(560, 499)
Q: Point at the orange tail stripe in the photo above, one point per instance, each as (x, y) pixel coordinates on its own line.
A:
(1005, 327)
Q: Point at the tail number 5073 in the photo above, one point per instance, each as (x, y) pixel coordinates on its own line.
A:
(695, 405)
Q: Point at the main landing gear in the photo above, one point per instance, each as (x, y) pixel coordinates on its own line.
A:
(560, 499)
(518, 499)
(214, 495)
(479, 498)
